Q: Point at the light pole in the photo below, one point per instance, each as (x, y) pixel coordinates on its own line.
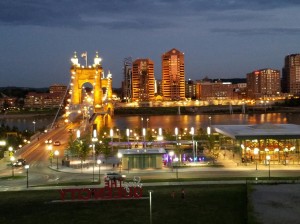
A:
(142, 123)
(147, 123)
(256, 151)
(94, 140)
(12, 159)
(99, 164)
(176, 160)
(269, 160)
(111, 133)
(34, 126)
(120, 155)
(56, 153)
(49, 148)
(144, 136)
(150, 201)
(192, 133)
(127, 134)
(171, 154)
(27, 168)
(119, 135)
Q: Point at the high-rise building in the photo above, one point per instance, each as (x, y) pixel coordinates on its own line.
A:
(126, 84)
(190, 89)
(142, 80)
(291, 74)
(263, 83)
(173, 76)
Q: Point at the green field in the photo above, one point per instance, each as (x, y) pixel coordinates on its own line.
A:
(202, 204)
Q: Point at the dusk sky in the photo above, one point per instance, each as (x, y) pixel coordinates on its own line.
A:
(220, 38)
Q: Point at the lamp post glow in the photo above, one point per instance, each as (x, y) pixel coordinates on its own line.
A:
(171, 154)
(256, 151)
(127, 134)
(99, 164)
(34, 126)
(94, 140)
(111, 133)
(27, 168)
(269, 160)
(192, 133)
(56, 153)
(144, 136)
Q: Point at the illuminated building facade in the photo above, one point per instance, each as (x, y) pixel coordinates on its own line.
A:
(291, 74)
(58, 88)
(216, 91)
(190, 89)
(143, 83)
(263, 83)
(127, 84)
(173, 75)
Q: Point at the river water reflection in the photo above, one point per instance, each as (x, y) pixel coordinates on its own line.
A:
(168, 121)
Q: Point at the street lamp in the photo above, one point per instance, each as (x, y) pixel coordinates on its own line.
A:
(176, 160)
(111, 133)
(27, 168)
(269, 159)
(147, 122)
(12, 159)
(256, 151)
(34, 126)
(56, 153)
(144, 135)
(99, 164)
(94, 140)
(171, 154)
(150, 201)
(192, 133)
(119, 135)
(127, 134)
(120, 155)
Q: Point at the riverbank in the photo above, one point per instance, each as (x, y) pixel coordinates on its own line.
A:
(191, 110)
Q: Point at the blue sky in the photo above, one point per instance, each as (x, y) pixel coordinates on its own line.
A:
(220, 38)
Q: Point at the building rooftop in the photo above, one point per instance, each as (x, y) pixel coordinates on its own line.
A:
(267, 130)
(142, 151)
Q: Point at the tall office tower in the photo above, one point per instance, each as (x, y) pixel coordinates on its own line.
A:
(291, 74)
(143, 80)
(263, 83)
(126, 84)
(173, 77)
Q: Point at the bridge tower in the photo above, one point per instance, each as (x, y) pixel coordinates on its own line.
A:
(100, 103)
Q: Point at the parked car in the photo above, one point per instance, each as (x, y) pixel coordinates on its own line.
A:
(56, 143)
(19, 163)
(114, 176)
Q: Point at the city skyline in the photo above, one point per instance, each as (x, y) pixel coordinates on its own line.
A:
(220, 39)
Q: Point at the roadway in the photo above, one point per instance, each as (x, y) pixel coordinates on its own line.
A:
(42, 173)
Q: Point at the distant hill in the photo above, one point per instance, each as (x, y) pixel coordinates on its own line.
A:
(19, 92)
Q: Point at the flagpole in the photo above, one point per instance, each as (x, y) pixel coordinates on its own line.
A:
(86, 59)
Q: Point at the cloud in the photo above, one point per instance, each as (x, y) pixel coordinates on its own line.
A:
(134, 14)
(260, 31)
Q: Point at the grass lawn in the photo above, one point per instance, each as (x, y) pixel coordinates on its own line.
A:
(202, 204)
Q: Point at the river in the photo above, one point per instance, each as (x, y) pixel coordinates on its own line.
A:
(166, 121)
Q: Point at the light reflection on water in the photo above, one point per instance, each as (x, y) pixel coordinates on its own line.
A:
(167, 121)
(26, 123)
